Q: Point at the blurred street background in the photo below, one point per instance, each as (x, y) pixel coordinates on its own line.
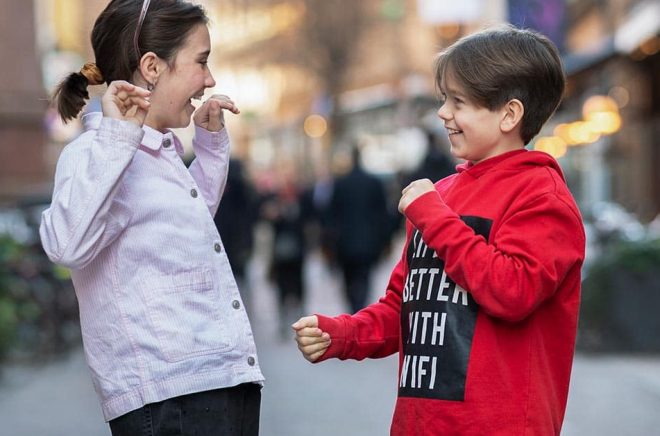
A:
(315, 80)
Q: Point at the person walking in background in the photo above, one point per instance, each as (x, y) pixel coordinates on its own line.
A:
(359, 229)
(165, 333)
(436, 164)
(235, 221)
(316, 201)
(483, 305)
(283, 209)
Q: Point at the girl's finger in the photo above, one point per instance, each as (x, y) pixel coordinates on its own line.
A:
(226, 102)
(124, 90)
(138, 101)
(141, 115)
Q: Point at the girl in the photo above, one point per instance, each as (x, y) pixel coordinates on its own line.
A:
(164, 330)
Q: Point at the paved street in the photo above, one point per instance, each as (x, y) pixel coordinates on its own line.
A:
(610, 395)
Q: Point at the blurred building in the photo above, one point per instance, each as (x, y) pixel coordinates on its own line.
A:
(23, 168)
(312, 76)
(320, 75)
(606, 131)
(43, 40)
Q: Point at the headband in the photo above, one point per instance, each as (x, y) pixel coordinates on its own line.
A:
(138, 28)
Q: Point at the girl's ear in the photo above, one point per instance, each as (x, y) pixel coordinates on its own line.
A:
(512, 114)
(150, 68)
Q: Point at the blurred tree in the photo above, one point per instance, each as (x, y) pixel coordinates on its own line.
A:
(330, 32)
(323, 43)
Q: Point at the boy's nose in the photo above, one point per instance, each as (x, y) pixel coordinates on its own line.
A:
(443, 112)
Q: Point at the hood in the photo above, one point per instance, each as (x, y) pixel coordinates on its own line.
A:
(511, 161)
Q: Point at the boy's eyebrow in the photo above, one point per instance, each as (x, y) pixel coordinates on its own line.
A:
(452, 91)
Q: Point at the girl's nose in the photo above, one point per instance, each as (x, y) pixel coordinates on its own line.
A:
(210, 81)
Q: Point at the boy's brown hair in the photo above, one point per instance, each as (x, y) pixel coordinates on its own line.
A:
(499, 64)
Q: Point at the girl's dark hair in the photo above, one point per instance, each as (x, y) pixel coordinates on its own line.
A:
(164, 30)
(497, 65)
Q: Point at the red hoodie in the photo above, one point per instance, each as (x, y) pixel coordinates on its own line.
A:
(483, 305)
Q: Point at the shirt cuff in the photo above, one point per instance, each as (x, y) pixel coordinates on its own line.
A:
(120, 132)
(211, 140)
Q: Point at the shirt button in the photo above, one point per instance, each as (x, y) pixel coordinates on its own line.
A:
(251, 361)
(167, 142)
(217, 247)
(193, 193)
(236, 304)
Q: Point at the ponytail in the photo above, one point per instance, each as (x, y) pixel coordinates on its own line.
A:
(71, 93)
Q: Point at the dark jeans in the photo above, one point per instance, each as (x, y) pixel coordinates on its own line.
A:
(222, 412)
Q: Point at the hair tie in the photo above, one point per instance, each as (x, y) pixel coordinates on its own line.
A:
(92, 74)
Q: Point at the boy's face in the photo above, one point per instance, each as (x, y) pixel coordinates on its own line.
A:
(474, 131)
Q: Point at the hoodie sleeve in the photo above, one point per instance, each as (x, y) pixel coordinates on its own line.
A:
(372, 332)
(526, 261)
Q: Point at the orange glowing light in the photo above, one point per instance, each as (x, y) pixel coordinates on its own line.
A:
(553, 145)
(315, 126)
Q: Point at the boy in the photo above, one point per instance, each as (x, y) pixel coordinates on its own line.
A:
(483, 305)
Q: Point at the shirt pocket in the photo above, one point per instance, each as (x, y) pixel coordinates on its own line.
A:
(183, 310)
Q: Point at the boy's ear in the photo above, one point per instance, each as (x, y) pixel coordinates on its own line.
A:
(513, 111)
(151, 66)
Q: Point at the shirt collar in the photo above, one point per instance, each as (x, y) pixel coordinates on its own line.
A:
(153, 139)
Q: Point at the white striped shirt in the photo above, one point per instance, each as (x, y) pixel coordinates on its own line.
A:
(160, 311)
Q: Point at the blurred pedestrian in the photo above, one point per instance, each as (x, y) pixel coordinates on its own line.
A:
(235, 221)
(165, 333)
(483, 304)
(284, 210)
(436, 164)
(316, 202)
(359, 226)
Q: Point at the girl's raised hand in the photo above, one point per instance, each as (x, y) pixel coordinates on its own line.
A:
(210, 115)
(125, 101)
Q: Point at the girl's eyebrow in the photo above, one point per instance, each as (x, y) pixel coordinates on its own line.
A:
(205, 54)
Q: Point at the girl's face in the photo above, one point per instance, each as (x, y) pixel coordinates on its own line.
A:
(178, 84)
